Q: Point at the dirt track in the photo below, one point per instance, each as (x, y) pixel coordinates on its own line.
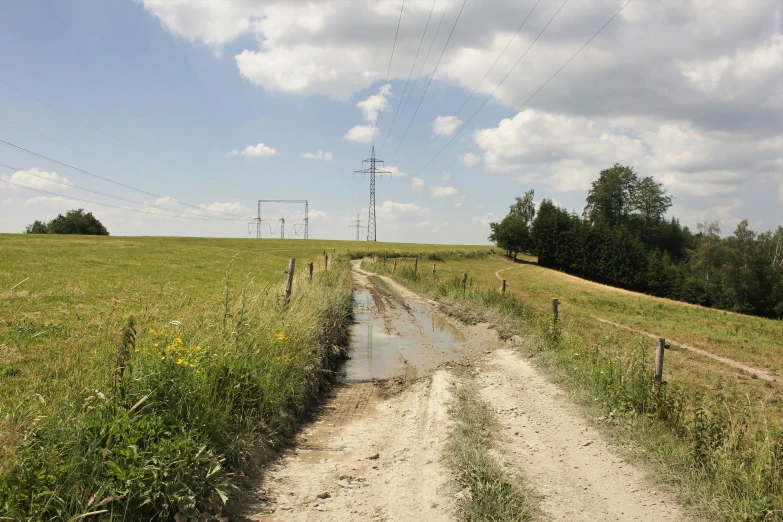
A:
(377, 450)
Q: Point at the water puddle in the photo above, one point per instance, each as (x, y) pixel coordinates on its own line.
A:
(388, 339)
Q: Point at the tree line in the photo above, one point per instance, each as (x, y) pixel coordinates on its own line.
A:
(622, 238)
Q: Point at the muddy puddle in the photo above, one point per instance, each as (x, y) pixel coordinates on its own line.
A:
(394, 337)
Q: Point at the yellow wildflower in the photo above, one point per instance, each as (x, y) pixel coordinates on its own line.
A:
(281, 336)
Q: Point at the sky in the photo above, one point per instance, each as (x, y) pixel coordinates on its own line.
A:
(190, 111)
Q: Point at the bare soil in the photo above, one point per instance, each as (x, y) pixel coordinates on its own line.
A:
(377, 451)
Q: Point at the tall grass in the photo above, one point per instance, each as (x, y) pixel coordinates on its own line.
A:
(165, 419)
(728, 459)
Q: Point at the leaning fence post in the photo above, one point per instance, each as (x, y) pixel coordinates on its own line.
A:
(659, 360)
(464, 282)
(503, 287)
(555, 311)
(310, 267)
(289, 283)
(433, 271)
(416, 266)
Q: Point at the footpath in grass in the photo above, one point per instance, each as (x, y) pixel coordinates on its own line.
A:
(718, 442)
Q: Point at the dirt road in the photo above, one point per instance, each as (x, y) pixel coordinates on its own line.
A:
(377, 451)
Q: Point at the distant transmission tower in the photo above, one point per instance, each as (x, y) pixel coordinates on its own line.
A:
(357, 225)
(372, 170)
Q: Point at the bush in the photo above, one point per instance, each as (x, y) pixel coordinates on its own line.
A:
(73, 222)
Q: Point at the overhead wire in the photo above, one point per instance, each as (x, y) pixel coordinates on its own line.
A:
(424, 62)
(410, 74)
(490, 95)
(520, 107)
(430, 80)
(108, 180)
(480, 82)
(120, 198)
(388, 70)
(115, 137)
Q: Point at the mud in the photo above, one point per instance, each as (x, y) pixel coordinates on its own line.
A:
(378, 449)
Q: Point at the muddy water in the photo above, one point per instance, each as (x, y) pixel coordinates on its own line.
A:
(392, 337)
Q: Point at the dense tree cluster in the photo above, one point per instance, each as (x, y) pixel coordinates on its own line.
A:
(73, 222)
(623, 239)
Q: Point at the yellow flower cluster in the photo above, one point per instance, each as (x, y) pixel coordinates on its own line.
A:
(173, 349)
(281, 336)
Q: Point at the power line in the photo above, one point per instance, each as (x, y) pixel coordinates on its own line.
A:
(423, 63)
(77, 169)
(413, 65)
(72, 185)
(89, 154)
(480, 82)
(430, 80)
(490, 95)
(518, 109)
(105, 204)
(388, 70)
(113, 136)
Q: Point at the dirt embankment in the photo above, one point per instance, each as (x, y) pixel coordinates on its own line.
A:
(378, 449)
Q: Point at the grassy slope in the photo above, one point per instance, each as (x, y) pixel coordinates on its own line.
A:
(71, 439)
(712, 429)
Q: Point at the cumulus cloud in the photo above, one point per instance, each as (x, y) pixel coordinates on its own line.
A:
(318, 215)
(446, 125)
(253, 150)
(320, 155)
(417, 183)
(360, 134)
(486, 219)
(56, 202)
(394, 210)
(212, 209)
(470, 159)
(393, 171)
(37, 179)
(448, 192)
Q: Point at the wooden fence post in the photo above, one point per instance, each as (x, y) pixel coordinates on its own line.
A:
(659, 360)
(433, 271)
(394, 270)
(503, 287)
(326, 261)
(416, 266)
(310, 267)
(289, 283)
(555, 311)
(464, 282)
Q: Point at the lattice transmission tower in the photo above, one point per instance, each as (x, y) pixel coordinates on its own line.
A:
(372, 170)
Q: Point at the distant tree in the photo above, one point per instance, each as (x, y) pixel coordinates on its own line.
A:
(511, 234)
(609, 198)
(649, 199)
(37, 227)
(705, 257)
(73, 222)
(524, 207)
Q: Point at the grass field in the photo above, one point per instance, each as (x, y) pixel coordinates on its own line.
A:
(712, 430)
(143, 420)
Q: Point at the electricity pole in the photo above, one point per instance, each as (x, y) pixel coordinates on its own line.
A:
(282, 228)
(357, 225)
(372, 170)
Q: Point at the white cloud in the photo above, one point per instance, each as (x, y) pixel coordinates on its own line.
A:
(360, 134)
(219, 207)
(253, 150)
(470, 159)
(443, 192)
(445, 176)
(446, 125)
(375, 103)
(318, 215)
(486, 219)
(417, 184)
(50, 202)
(394, 210)
(37, 179)
(393, 171)
(320, 155)
(165, 202)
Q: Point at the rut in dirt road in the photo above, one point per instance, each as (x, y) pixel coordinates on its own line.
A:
(378, 449)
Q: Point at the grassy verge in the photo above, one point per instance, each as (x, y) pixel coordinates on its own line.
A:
(160, 419)
(724, 454)
(488, 494)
